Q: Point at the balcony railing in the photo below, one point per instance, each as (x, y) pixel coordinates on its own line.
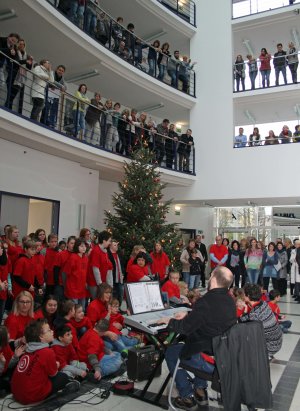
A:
(185, 9)
(31, 96)
(242, 8)
(266, 141)
(286, 71)
(125, 44)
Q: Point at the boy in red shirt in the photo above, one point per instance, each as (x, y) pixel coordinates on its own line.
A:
(172, 288)
(273, 304)
(36, 376)
(66, 355)
(24, 272)
(138, 271)
(60, 263)
(50, 261)
(65, 315)
(92, 351)
(80, 322)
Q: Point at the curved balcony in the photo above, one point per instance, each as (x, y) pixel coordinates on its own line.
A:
(242, 8)
(185, 9)
(112, 35)
(108, 131)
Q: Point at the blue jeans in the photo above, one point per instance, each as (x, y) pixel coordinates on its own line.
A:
(252, 275)
(152, 67)
(90, 22)
(183, 381)
(186, 277)
(110, 363)
(122, 343)
(80, 301)
(162, 72)
(252, 76)
(76, 12)
(172, 74)
(80, 121)
(281, 69)
(194, 281)
(285, 325)
(265, 75)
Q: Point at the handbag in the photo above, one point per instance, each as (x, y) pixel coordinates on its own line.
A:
(278, 266)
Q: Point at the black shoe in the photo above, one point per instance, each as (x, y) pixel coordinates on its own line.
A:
(71, 387)
(188, 404)
(201, 396)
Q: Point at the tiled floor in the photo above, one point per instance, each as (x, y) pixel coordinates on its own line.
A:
(285, 375)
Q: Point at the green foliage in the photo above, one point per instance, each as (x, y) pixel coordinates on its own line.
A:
(139, 215)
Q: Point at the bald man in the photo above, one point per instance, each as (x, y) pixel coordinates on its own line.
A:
(212, 315)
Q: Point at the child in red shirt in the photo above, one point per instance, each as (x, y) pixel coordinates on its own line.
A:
(172, 288)
(36, 376)
(50, 261)
(39, 262)
(4, 270)
(66, 355)
(92, 352)
(116, 325)
(273, 304)
(14, 248)
(8, 360)
(24, 272)
(160, 261)
(138, 271)
(80, 322)
(65, 315)
(75, 272)
(62, 259)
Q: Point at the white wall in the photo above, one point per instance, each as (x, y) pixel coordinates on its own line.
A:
(106, 190)
(29, 172)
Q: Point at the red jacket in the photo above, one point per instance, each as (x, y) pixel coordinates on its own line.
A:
(76, 271)
(90, 343)
(16, 325)
(25, 269)
(219, 251)
(39, 263)
(159, 264)
(50, 261)
(136, 273)
(13, 252)
(98, 258)
(96, 311)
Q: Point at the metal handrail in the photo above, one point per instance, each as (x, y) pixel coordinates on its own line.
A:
(267, 142)
(255, 6)
(185, 10)
(92, 15)
(68, 115)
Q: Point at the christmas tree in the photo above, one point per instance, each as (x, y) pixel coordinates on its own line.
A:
(139, 215)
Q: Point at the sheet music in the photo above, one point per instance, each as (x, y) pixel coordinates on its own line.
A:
(145, 296)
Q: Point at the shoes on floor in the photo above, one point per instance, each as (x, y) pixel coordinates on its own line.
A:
(201, 396)
(71, 387)
(188, 404)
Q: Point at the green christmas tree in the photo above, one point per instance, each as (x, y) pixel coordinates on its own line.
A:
(139, 215)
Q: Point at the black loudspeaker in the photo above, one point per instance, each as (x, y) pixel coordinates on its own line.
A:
(142, 361)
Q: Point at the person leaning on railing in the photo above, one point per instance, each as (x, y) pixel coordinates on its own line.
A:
(186, 142)
(79, 108)
(92, 120)
(285, 135)
(271, 139)
(280, 62)
(265, 67)
(41, 74)
(293, 61)
(239, 72)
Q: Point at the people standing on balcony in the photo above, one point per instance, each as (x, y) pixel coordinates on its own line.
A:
(185, 144)
(162, 61)
(141, 132)
(286, 135)
(241, 139)
(92, 120)
(239, 72)
(265, 67)
(171, 146)
(280, 61)
(123, 130)
(271, 139)
(254, 138)
(79, 109)
(296, 134)
(159, 141)
(173, 68)
(17, 78)
(50, 111)
(293, 61)
(152, 57)
(185, 72)
(8, 46)
(117, 33)
(76, 12)
(41, 74)
(252, 65)
(129, 39)
(106, 121)
(102, 29)
(112, 133)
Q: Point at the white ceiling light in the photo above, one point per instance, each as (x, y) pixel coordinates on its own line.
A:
(151, 108)
(250, 116)
(155, 36)
(7, 14)
(247, 44)
(82, 76)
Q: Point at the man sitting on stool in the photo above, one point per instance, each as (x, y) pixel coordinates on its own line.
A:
(212, 315)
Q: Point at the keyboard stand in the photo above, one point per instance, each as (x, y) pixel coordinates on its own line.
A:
(148, 396)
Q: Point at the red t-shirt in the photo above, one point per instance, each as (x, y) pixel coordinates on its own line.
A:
(4, 270)
(219, 251)
(159, 264)
(75, 341)
(50, 262)
(90, 343)
(30, 382)
(136, 273)
(76, 271)
(116, 318)
(13, 252)
(85, 322)
(16, 325)
(173, 290)
(25, 268)
(39, 267)
(98, 258)
(96, 310)
(64, 354)
(8, 354)
(61, 260)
